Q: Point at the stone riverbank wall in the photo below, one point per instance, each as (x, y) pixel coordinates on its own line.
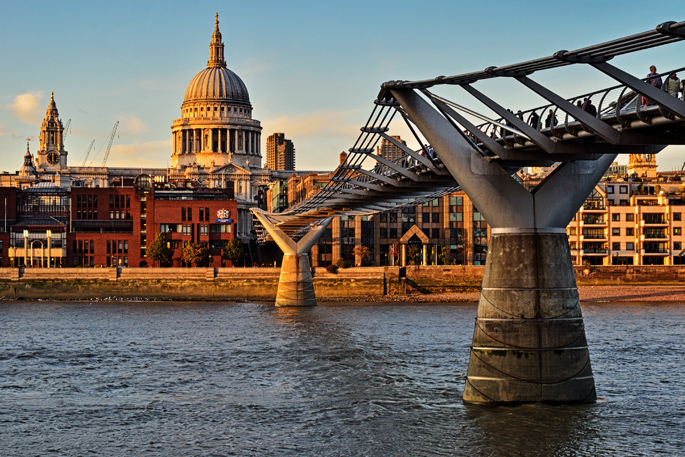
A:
(260, 284)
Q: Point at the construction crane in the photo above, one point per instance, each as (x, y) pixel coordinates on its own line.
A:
(109, 146)
(66, 130)
(88, 152)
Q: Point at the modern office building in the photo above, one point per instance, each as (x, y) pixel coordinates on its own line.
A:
(280, 153)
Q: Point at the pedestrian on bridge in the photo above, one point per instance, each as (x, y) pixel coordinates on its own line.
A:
(534, 120)
(551, 120)
(672, 85)
(589, 107)
(655, 80)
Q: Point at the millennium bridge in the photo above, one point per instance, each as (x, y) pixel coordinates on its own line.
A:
(529, 340)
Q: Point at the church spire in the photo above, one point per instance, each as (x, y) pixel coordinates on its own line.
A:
(216, 48)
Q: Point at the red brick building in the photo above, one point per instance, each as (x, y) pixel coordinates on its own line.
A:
(47, 226)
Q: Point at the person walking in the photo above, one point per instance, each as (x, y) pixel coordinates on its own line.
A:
(589, 107)
(551, 119)
(655, 80)
(534, 120)
(672, 85)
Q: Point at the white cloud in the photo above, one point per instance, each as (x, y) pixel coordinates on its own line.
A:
(146, 154)
(131, 125)
(27, 107)
(318, 123)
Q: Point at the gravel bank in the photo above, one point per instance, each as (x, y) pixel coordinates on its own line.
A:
(591, 294)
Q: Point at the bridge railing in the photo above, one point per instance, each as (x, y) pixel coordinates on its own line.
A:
(608, 101)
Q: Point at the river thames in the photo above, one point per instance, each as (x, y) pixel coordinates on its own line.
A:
(123, 379)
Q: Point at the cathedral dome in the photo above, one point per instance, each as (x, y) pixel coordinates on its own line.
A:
(217, 84)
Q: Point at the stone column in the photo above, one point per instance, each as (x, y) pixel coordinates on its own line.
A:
(295, 285)
(529, 340)
(424, 252)
(403, 255)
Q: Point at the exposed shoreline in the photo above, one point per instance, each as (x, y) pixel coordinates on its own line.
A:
(643, 294)
(588, 294)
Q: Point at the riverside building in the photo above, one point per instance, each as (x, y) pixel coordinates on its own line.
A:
(633, 219)
(49, 226)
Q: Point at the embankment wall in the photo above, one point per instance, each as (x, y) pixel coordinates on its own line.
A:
(260, 284)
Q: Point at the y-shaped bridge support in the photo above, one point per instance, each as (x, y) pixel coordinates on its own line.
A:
(295, 286)
(529, 341)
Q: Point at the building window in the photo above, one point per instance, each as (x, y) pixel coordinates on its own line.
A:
(676, 245)
(623, 203)
(78, 201)
(187, 230)
(572, 231)
(190, 214)
(616, 246)
(610, 189)
(92, 246)
(436, 233)
(616, 231)
(109, 248)
(183, 213)
(221, 228)
(677, 230)
(436, 217)
(630, 217)
(456, 217)
(676, 216)
(623, 189)
(202, 214)
(630, 247)
(119, 247)
(204, 230)
(384, 233)
(630, 232)
(125, 246)
(425, 217)
(616, 217)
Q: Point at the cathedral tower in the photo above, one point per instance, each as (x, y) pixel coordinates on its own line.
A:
(644, 165)
(51, 154)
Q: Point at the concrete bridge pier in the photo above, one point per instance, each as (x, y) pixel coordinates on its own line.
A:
(295, 285)
(529, 340)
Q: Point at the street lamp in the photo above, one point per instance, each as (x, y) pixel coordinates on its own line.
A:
(26, 247)
(49, 234)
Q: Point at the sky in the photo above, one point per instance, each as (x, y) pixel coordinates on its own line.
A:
(312, 68)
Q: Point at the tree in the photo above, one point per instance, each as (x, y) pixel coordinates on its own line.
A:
(158, 251)
(362, 251)
(196, 254)
(233, 251)
(446, 255)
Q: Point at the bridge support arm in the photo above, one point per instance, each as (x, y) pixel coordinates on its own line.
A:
(295, 285)
(529, 341)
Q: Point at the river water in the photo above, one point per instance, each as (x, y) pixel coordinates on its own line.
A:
(134, 379)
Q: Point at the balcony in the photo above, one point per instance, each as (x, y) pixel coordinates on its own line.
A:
(654, 219)
(594, 221)
(602, 251)
(651, 234)
(656, 251)
(594, 206)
